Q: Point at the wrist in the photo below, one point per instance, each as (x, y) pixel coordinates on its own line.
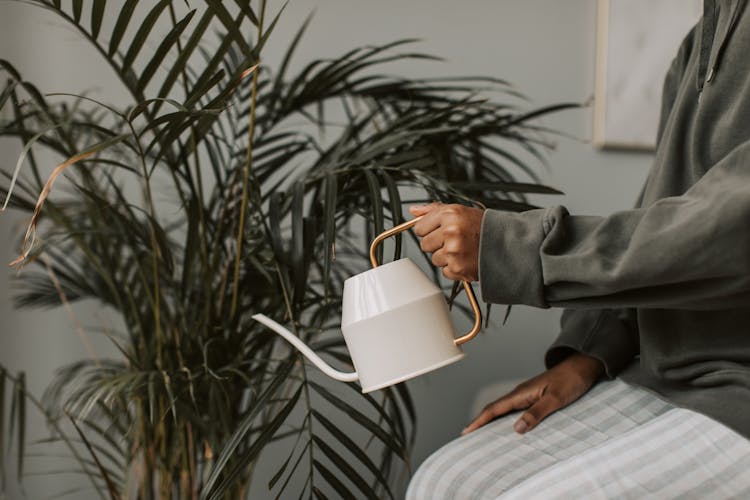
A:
(588, 366)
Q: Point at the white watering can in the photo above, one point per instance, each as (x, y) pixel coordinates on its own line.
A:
(395, 321)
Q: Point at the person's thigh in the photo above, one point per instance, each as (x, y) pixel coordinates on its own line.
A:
(494, 459)
(679, 454)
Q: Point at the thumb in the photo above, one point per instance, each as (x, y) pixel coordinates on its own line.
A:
(546, 405)
(417, 210)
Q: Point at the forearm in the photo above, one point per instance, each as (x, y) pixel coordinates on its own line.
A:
(681, 252)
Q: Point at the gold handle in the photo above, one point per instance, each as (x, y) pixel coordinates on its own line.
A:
(467, 286)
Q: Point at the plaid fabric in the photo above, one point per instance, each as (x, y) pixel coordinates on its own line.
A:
(618, 441)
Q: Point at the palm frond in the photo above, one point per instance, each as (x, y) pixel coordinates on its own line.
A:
(222, 190)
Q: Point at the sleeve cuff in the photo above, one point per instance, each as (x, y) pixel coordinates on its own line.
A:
(598, 333)
(510, 267)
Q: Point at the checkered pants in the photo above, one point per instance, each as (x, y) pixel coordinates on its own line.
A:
(618, 441)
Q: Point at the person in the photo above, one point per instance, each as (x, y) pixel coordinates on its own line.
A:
(657, 296)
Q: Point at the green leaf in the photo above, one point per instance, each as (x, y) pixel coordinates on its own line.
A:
(277, 475)
(407, 401)
(246, 9)
(506, 187)
(395, 201)
(329, 232)
(111, 435)
(199, 91)
(298, 241)
(21, 397)
(2, 428)
(525, 117)
(205, 81)
(172, 407)
(507, 314)
(77, 8)
(78, 491)
(97, 15)
(19, 163)
(164, 248)
(318, 494)
(151, 398)
(12, 414)
(101, 146)
(274, 226)
(241, 431)
(180, 65)
(267, 33)
(143, 106)
(377, 208)
(283, 487)
(347, 469)
(331, 479)
(123, 20)
(232, 27)
(355, 450)
(7, 92)
(272, 482)
(509, 205)
(102, 470)
(161, 52)
(289, 52)
(191, 244)
(142, 34)
(395, 427)
(360, 418)
(252, 452)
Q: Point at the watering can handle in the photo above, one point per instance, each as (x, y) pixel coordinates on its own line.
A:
(467, 286)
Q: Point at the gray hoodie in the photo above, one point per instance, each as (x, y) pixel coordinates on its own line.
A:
(660, 293)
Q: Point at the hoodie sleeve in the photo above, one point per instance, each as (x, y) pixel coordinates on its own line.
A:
(608, 335)
(611, 335)
(682, 252)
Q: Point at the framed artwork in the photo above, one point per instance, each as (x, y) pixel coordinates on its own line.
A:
(637, 40)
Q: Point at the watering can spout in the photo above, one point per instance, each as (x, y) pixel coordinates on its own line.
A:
(305, 350)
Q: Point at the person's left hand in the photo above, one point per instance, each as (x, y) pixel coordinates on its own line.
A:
(451, 234)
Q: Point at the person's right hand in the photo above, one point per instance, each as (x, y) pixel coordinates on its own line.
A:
(544, 394)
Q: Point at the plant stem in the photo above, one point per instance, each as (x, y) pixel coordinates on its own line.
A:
(110, 486)
(305, 385)
(246, 170)
(199, 180)
(154, 247)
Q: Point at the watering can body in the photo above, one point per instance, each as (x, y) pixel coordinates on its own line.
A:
(395, 321)
(396, 324)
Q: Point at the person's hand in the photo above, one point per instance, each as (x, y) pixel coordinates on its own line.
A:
(544, 394)
(451, 234)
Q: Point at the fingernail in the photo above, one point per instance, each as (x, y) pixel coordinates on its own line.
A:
(520, 426)
(465, 431)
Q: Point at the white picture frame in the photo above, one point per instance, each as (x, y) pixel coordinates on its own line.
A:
(636, 42)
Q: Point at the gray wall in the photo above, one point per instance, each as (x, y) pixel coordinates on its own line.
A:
(544, 47)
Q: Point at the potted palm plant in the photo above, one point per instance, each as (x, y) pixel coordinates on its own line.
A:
(269, 184)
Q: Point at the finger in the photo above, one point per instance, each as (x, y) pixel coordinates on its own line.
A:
(546, 405)
(433, 241)
(439, 259)
(429, 222)
(453, 276)
(513, 401)
(417, 210)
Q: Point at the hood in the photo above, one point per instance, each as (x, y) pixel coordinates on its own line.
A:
(713, 12)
